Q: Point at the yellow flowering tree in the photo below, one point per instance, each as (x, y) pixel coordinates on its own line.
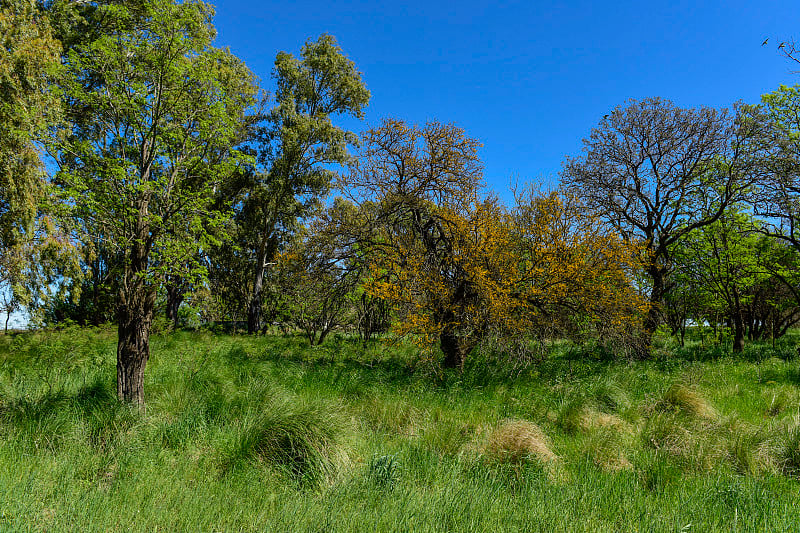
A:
(457, 266)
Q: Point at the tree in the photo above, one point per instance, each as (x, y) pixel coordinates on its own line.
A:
(298, 146)
(154, 111)
(318, 276)
(722, 258)
(657, 172)
(28, 59)
(777, 199)
(573, 273)
(416, 187)
(457, 267)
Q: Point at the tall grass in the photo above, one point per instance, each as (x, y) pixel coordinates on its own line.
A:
(267, 433)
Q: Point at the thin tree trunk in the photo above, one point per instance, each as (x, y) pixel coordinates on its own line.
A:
(254, 307)
(175, 297)
(265, 253)
(738, 325)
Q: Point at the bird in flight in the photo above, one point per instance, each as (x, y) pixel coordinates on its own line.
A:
(765, 41)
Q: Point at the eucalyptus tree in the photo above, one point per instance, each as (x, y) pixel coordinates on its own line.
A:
(28, 58)
(298, 149)
(658, 172)
(155, 112)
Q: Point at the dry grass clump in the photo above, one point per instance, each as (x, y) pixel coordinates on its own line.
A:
(582, 416)
(684, 440)
(787, 450)
(686, 400)
(592, 419)
(516, 440)
(606, 449)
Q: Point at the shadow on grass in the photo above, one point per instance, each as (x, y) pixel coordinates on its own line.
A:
(92, 411)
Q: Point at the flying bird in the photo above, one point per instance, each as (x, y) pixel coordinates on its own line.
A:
(765, 41)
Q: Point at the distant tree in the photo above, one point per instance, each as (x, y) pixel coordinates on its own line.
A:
(657, 172)
(722, 259)
(155, 110)
(573, 272)
(318, 278)
(298, 148)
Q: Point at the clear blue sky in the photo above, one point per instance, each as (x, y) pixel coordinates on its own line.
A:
(528, 79)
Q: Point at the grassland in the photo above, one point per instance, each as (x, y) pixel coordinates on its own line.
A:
(269, 434)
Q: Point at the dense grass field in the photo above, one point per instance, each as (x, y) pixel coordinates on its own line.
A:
(269, 434)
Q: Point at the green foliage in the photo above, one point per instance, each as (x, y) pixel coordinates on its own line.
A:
(297, 147)
(149, 145)
(28, 59)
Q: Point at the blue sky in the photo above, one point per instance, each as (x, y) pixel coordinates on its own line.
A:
(528, 79)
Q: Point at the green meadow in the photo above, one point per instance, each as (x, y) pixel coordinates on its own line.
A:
(270, 434)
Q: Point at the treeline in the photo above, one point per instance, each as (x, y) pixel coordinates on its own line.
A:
(146, 176)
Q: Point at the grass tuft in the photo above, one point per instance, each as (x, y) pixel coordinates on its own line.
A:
(681, 398)
(516, 440)
(302, 439)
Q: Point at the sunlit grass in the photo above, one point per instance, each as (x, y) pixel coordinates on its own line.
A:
(268, 433)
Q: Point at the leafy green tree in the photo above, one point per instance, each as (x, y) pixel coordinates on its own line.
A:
(155, 110)
(298, 148)
(722, 258)
(777, 199)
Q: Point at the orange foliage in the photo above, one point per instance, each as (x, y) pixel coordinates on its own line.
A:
(458, 268)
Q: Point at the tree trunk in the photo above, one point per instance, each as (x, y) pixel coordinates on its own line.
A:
(133, 346)
(265, 253)
(137, 300)
(653, 317)
(738, 334)
(254, 308)
(454, 349)
(175, 297)
(738, 325)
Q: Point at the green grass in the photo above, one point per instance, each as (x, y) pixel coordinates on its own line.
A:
(269, 434)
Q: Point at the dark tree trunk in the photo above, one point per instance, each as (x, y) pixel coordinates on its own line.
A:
(254, 308)
(738, 325)
(176, 293)
(653, 318)
(133, 351)
(455, 349)
(137, 300)
(738, 334)
(265, 253)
